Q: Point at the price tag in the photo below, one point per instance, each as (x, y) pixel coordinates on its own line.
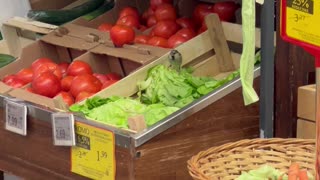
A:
(16, 117)
(94, 153)
(63, 129)
(300, 21)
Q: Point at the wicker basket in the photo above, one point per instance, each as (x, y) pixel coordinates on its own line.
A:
(229, 160)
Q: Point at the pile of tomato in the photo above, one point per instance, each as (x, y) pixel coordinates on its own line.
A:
(160, 25)
(74, 82)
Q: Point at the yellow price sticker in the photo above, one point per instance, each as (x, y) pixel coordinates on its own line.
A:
(94, 153)
(302, 20)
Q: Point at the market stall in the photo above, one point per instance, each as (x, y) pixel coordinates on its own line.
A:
(97, 148)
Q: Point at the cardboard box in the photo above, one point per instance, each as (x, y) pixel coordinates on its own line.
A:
(75, 37)
(29, 54)
(306, 129)
(19, 32)
(306, 123)
(122, 61)
(307, 102)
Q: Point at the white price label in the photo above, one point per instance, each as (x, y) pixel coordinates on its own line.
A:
(16, 117)
(63, 129)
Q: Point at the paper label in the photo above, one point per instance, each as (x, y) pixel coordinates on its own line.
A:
(94, 153)
(63, 129)
(302, 21)
(16, 117)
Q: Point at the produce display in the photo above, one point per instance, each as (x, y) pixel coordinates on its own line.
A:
(164, 91)
(74, 82)
(160, 24)
(267, 172)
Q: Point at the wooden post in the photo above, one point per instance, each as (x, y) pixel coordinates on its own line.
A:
(219, 43)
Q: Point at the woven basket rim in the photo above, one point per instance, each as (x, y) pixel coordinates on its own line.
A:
(193, 161)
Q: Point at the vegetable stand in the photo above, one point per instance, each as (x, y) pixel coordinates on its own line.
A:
(214, 119)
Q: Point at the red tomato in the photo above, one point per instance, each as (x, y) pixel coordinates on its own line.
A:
(78, 67)
(46, 84)
(121, 35)
(9, 78)
(67, 97)
(25, 75)
(83, 95)
(85, 82)
(203, 28)
(63, 68)
(151, 21)
(165, 12)
(129, 11)
(130, 21)
(176, 40)
(102, 78)
(158, 41)
(40, 61)
(141, 39)
(185, 22)
(151, 33)
(13, 81)
(17, 83)
(165, 28)
(201, 11)
(186, 33)
(113, 76)
(226, 10)
(108, 83)
(155, 3)
(48, 67)
(105, 27)
(149, 12)
(66, 83)
(29, 89)
(142, 28)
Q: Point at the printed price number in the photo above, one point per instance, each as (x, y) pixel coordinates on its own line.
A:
(63, 129)
(101, 155)
(94, 153)
(299, 17)
(16, 117)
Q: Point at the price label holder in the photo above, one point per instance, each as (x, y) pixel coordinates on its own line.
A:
(16, 116)
(94, 153)
(300, 26)
(63, 129)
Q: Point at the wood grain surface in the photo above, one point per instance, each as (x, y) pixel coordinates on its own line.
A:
(292, 68)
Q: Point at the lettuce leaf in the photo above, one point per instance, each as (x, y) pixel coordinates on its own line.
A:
(116, 110)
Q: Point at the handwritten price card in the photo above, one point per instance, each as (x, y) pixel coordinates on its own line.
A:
(94, 153)
(302, 20)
